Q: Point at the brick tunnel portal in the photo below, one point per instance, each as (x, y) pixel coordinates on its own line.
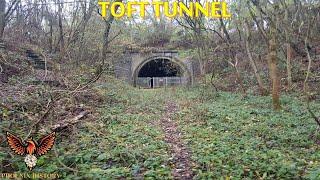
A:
(154, 69)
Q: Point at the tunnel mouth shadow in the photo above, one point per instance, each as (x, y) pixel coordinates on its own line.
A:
(160, 72)
(160, 68)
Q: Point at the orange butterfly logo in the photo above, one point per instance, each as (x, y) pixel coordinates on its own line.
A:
(31, 148)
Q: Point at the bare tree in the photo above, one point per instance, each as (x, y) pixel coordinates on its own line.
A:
(273, 61)
(106, 40)
(61, 36)
(271, 40)
(2, 17)
(274, 70)
(6, 13)
(196, 25)
(263, 90)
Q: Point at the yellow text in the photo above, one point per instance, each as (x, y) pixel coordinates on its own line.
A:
(170, 10)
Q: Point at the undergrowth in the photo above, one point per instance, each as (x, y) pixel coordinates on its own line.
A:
(229, 137)
(245, 139)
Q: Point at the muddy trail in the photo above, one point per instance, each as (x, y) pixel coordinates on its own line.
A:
(180, 153)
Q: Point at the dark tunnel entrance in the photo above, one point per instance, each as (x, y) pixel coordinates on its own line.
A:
(160, 72)
(160, 68)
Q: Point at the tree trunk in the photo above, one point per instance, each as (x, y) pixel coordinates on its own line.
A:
(2, 17)
(61, 38)
(224, 30)
(51, 35)
(263, 90)
(201, 62)
(239, 78)
(108, 23)
(289, 67)
(289, 50)
(106, 33)
(274, 71)
(106, 39)
(233, 55)
(86, 18)
(201, 53)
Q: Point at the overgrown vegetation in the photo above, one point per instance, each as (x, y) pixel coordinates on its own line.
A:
(251, 113)
(231, 137)
(120, 142)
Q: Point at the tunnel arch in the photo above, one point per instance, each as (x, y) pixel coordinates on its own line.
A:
(184, 70)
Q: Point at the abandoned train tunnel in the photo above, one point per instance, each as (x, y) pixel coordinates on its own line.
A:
(160, 72)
